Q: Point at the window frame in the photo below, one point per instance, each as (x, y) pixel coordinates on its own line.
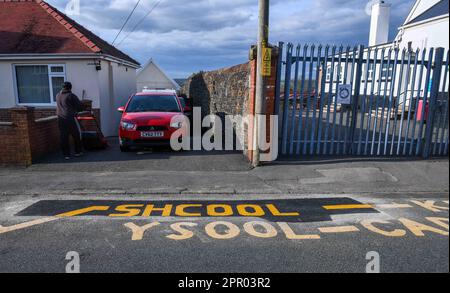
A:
(371, 71)
(389, 70)
(328, 73)
(50, 83)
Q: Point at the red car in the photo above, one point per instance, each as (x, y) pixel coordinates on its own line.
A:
(146, 119)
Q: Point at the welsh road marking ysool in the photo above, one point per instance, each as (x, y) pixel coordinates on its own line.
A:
(393, 229)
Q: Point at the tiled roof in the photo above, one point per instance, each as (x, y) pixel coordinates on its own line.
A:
(440, 8)
(35, 27)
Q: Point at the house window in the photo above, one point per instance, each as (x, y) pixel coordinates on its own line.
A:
(339, 73)
(371, 72)
(387, 72)
(328, 73)
(39, 84)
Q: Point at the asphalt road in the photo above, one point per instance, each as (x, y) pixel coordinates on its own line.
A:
(330, 233)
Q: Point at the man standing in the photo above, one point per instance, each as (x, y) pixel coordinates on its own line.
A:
(68, 105)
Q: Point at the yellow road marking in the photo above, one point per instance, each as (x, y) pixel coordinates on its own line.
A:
(26, 225)
(342, 229)
(348, 207)
(83, 211)
(290, 234)
(50, 219)
(394, 206)
(430, 205)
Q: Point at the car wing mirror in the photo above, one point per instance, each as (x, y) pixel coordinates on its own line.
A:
(121, 109)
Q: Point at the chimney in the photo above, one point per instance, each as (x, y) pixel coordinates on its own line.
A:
(379, 25)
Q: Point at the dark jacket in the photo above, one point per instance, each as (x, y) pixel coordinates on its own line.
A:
(67, 105)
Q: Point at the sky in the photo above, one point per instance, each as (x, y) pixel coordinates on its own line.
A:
(187, 36)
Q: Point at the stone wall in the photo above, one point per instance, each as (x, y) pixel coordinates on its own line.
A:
(231, 91)
(221, 91)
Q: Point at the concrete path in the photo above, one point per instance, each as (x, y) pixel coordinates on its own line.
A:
(165, 172)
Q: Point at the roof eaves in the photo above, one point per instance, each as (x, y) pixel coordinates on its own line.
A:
(59, 18)
(418, 19)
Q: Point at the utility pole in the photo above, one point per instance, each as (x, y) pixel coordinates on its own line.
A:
(260, 98)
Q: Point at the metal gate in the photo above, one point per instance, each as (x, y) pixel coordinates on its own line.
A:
(397, 102)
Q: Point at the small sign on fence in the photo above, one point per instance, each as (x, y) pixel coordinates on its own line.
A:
(344, 94)
(267, 62)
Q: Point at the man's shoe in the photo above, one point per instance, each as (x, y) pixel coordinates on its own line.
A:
(78, 155)
(67, 158)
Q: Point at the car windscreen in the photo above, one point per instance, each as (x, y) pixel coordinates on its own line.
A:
(150, 103)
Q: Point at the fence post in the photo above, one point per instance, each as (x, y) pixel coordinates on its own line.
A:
(355, 101)
(278, 81)
(287, 93)
(437, 71)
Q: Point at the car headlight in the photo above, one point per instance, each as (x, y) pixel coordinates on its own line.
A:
(127, 125)
(176, 125)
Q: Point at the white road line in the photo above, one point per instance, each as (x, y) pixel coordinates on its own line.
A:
(341, 229)
(394, 206)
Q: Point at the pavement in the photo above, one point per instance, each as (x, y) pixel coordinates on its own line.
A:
(161, 171)
(160, 211)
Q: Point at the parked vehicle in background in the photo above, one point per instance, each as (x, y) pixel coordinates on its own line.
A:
(146, 119)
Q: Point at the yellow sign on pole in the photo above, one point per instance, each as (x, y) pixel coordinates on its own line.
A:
(267, 62)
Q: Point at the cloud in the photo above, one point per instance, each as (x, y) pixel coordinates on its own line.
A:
(188, 36)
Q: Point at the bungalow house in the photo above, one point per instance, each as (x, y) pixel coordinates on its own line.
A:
(152, 76)
(40, 48)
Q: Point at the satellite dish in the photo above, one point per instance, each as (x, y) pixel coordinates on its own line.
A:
(369, 6)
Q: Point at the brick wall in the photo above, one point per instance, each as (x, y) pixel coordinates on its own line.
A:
(270, 94)
(15, 146)
(43, 136)
(27, 134)
(47, 112)
(5, 115)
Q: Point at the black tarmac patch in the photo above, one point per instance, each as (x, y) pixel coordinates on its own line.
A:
(287, 210)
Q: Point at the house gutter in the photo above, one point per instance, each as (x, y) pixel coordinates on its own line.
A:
(67, 56)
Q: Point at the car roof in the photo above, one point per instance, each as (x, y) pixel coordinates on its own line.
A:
(148, 92)
(155, 94)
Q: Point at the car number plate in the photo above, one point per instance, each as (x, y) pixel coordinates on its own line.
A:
(152, 134)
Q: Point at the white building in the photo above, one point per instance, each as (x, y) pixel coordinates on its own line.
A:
(151, 76)
(427, 26)
(40, 48)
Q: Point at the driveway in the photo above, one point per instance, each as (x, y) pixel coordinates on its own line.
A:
(159, 159)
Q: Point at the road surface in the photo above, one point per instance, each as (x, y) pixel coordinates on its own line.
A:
(253, 233)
